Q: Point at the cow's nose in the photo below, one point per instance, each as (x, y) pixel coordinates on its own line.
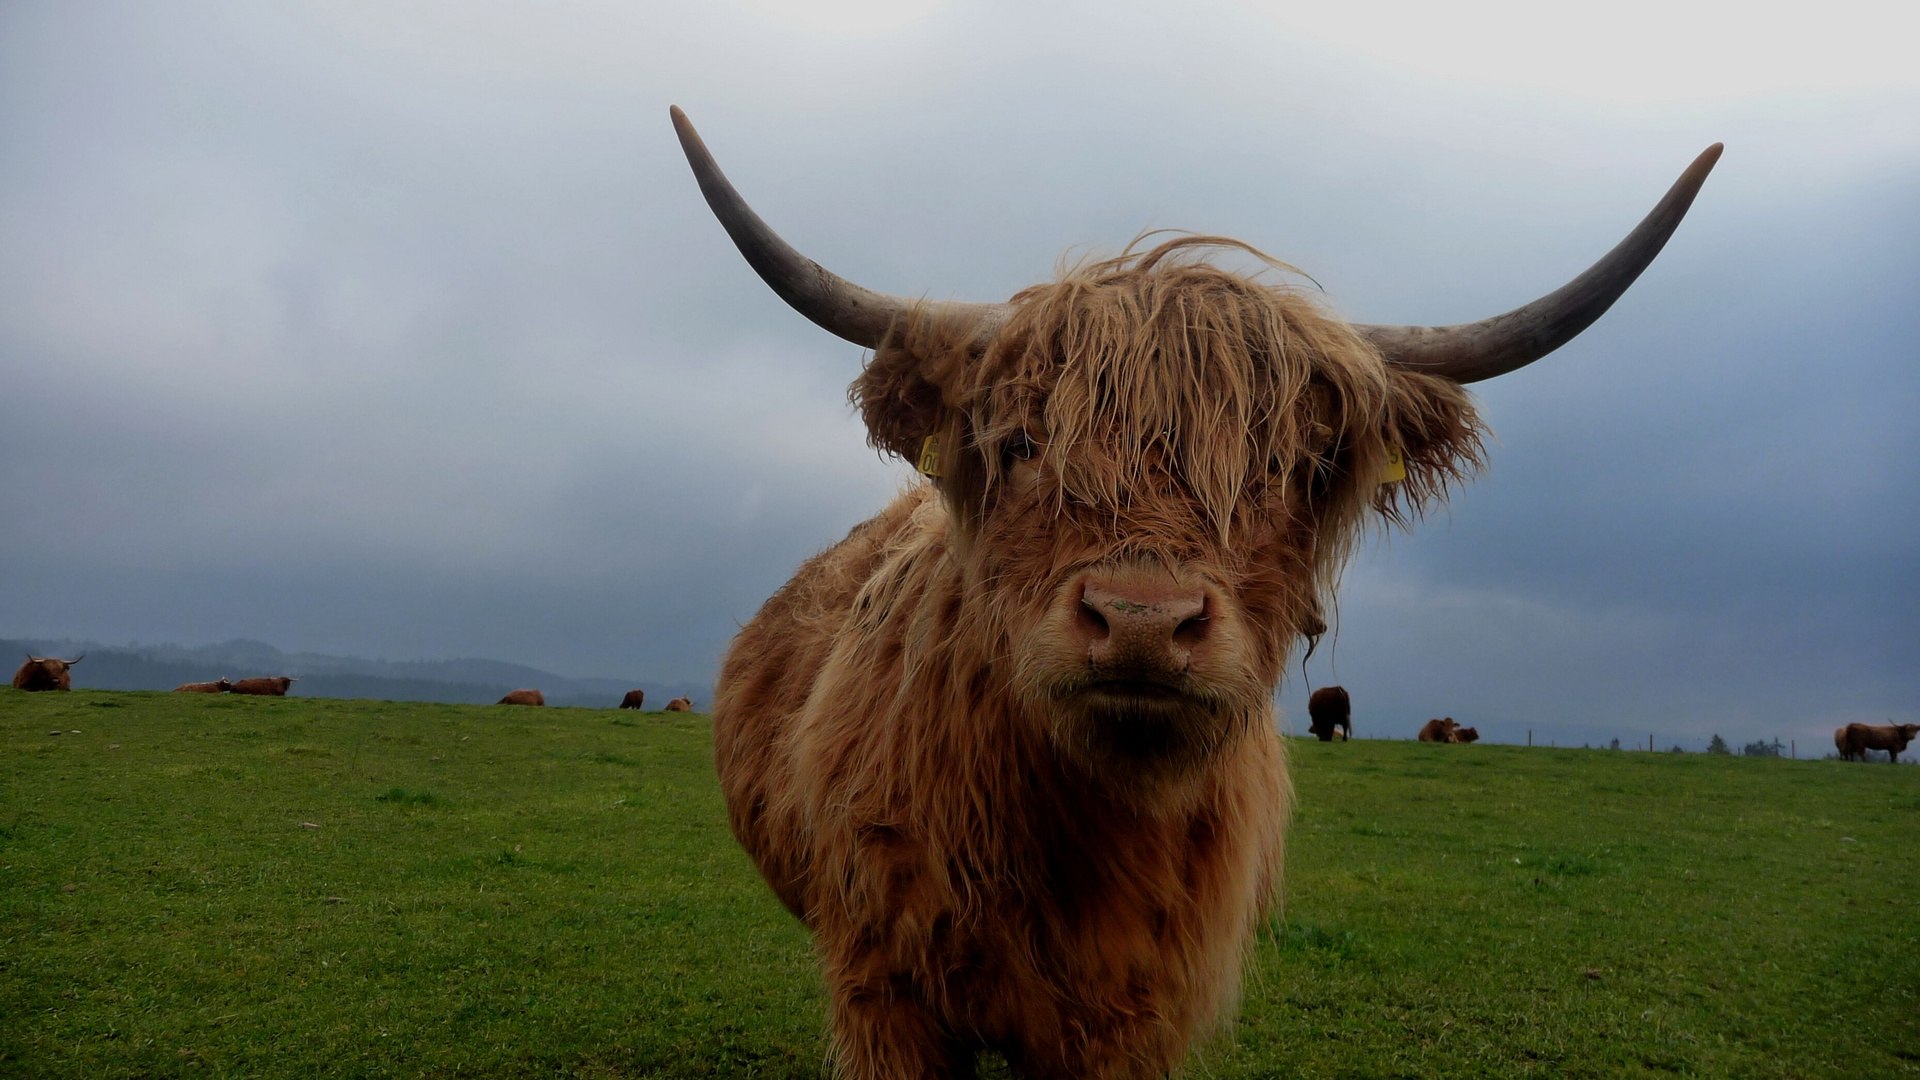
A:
(1148, 626)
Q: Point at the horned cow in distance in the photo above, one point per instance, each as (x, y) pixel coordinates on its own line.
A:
(1438, 730)
(1855, 740)
(680, 704)
(45, 673)
(1009, 749)
(523, 697)
(1330, 711)
(219, 687)
(275, 686)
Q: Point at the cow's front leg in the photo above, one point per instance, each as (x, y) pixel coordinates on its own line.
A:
(882, 1031)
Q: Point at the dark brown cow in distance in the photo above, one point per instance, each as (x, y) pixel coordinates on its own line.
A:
(523, 697)
(1465, 735)
(1856, 739)
(1330, 708)
(268, 687)
(45, 673)
(680, 704)
(1009, 749)
(633, 699)
(1438, 730)
(220, 687)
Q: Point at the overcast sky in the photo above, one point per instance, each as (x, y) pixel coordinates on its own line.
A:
(400, 329)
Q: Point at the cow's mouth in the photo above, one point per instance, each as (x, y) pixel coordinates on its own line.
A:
(1142, 691)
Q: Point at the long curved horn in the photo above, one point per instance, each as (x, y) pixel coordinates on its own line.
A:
(1470, 352)
(835, 304)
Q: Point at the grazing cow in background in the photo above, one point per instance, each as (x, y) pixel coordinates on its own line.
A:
(523, 697)
(45, 673)
(1009, 749)
(1893, 738)
(220, 687)
(633, 699)
(680, 704)
(1438, 730)
(273, 687)
(1330, 708)
(1465, 735)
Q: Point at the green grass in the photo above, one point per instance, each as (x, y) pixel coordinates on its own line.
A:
(501, 892)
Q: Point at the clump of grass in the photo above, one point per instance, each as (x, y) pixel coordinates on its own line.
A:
(402, 797)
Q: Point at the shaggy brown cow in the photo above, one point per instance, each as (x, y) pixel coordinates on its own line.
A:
(1465, 735)
(273, 687)
(1438, 730)
(523, 697)
(45, 673)
(680, 704)
(1840, 743)
(633, 699)
(1009, 749)
(220, 687)
(1860, 738)
(1330, 708)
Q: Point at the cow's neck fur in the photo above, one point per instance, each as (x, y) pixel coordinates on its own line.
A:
(1038, 852)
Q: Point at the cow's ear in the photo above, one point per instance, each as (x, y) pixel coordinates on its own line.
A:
(1433, 429)
(905, 392)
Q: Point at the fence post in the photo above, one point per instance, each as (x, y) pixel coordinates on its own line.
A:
(1792, 749)
(1649, 744)
(1529, 736)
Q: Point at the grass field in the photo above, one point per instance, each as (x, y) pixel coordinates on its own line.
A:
(214, 886)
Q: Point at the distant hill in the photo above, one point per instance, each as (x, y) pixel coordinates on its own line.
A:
(163, 667)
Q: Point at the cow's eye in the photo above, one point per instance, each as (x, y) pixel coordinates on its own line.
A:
(1018, 447)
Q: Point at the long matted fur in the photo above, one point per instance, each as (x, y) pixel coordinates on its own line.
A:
(902, 732)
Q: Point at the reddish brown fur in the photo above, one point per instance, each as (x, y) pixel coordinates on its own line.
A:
(1329, 709)
(680, 704)
(1855, 740)
(1840, 743)
(1465, 735)
(1438, 730)
(633, 700)
(988, 853)
(45, 673)
(523, 697)
(219, 687)
(269, 687)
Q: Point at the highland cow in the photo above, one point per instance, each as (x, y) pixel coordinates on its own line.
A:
(523, 697)
(219, 687)
(1330, 708)
(634, 699)
(680, 704)
(268, 687)
(1009, 749)
(45, 673)
(1438, 730)
(1465, 735)
(1857, 739)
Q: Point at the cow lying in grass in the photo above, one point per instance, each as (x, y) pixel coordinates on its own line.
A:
(45, 673)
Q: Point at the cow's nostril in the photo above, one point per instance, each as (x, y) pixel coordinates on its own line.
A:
(1193, 631)
(1092, 623)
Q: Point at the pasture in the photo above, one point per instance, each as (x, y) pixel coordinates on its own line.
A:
(220, 886)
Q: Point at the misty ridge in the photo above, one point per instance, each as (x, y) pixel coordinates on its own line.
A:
(460, 682)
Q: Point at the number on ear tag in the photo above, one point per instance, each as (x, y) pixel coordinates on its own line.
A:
(1395, 469)
(929, 463)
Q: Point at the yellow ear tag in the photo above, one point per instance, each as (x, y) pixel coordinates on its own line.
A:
(929, 463)
(1396, 467)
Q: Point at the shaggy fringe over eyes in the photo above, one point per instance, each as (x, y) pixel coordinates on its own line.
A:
(1157, 364)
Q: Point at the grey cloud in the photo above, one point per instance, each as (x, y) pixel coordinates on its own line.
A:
(385, 331)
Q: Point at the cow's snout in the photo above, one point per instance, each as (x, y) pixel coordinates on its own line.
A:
(1139, 627)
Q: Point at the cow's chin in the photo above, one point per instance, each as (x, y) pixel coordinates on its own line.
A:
(1142, 739)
